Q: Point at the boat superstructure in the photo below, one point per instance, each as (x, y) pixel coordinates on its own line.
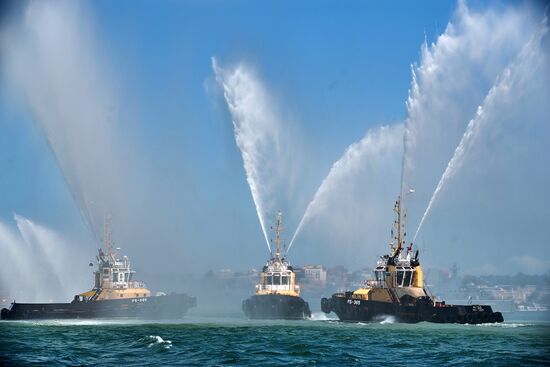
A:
(114, 275)
(277, 294)
(397, 289)
(115, 294)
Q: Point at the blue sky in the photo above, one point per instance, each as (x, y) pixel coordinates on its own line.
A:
(323, 61)
(333, 70)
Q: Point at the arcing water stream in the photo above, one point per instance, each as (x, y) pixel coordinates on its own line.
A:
(475, 46)
(39, 256)
(256, 129)
(512, 81)
(376, 143)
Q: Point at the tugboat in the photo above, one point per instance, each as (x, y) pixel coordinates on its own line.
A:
(115, 295)
(398, 290)
(277, 294)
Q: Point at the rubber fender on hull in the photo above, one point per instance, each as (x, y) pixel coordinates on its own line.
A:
(326, 305)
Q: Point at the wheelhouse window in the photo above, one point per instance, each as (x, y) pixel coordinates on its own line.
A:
(115, 276)
(284, 280)
(408, 277)
(276, 279)
(400, 274)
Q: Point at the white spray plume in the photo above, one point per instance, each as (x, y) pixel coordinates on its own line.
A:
(39, 256)
(51, 56)
(15, 259)
(510, 83)
(258, 135)
(453, 76)
(379, 142)
(65, 262)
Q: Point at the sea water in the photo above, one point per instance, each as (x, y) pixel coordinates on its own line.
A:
(196, 341)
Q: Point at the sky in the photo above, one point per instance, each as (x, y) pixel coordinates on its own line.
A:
(149, 109)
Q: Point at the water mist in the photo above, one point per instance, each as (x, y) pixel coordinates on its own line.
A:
(453, 76)
(511, 82)
(258, 134)
(376, 144)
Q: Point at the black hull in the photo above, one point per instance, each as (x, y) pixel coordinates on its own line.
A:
(351, 309)
(276, 306)
(173, 306)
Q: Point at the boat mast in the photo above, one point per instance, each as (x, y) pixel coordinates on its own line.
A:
(278, 238)
(399, 240)
(107, 233)
(400, 234)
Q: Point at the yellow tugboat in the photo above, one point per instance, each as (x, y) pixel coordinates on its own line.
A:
(115, 294)
(277, 293)
(398, 290)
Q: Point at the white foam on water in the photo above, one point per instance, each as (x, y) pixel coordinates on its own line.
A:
(156, 342)
(504, 325)
(388, 320)
(321, 316)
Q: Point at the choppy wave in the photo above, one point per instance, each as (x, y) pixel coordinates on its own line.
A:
(155, 342)
(241, 342)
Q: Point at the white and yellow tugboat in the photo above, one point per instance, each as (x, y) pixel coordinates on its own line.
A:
(277, 293)
(398, 290)
(115, 295)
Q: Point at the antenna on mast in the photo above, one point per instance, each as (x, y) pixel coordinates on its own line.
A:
(107, 243)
